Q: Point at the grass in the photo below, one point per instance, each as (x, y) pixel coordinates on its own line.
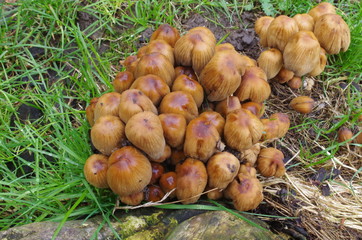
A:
(50, 64)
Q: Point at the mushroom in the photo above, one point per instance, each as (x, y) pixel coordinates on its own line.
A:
(129, 171)
(189, 85)
(201, 139)
(222, 75)
(188, 71)
(107, 134)
(214, 194)
(245, 191)
(144, 130)
(261, 28)
(302, 104)
(242, 129)
(157, 171)
(321, 9)
(159, 46)
(168, 183)
(271, 61)
(132, 102)
(253, 86)
(344, 134)
(247, 170)
(133, 199)
(153, 193)
(177, 156)
(276, 126)
(89, 111)
(195, 48)
(191, 180)
(305, 22)
(301, 54)
(215, 119)
(332, 33)
(270, 162)
(165, 155)
(157, 64)
(174, 128)
(179, 102)
(254, 107)
(152, 86)
(284, 75)
(130, 63)
(250, 155)
(223, 47)
(280, 30)
(107, 104)
(122, 81)
(95, 170)
(322, 64)
(166, 33)
(228, 105)
(295, 82)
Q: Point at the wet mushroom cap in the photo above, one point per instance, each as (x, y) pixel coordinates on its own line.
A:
(95, 170)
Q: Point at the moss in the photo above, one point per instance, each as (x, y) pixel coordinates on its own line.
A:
(131, 225)
(153, 218)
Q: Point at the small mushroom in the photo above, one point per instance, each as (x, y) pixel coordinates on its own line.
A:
(153, 193)
(188, 71)
(295, 82)
(107, 134)
(122, 81)
(319, 68)
(261, 28)
(271, 61)
(255, 108)
(89, 111)
(228, 105)
(191, 86)
(280, 30)
(133, 199)
(107, 104)
(191, 180)
(159, 46)
(321, 9)
(250, 155)
(130, 63)
(302, 104)
(129, 171)
(344, 134)
(165, 155)
(177, 156)
(168, 183)
(174, 128)
(166, 33)
(276, 126)
(284, 75)
(270, 162)
(95, 170)
(305, 22)
(157, 171)
(144, 130)
(215, 119)
(152, 86)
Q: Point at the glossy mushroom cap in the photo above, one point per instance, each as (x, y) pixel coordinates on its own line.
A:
(222, 168)
(174, 128)
(242, 129)
(271, 61)
(304, 21)
(253, 86)
(122, 81)
(333, 33)
(270, 162)
(302, 104)
(254, 107)
(107, 104)
(129, 171)
(157, 171)
(344, 134)
(295, 82)
(201, 140)
(191, 180)
(168, 182)
(228, 105)
(284, 75)
(261, 28)
(188, 71)
(191, 86)
(95, 170)
(157, 64)
(280, 30)
(166, 33)
(301, 54)
(159, 46)
(153, 193)
(195, 48)
(179, 102)
(152, 86)
(133, 199)
(321, 9)
(144, 130)
(107, 134)
(132, 102)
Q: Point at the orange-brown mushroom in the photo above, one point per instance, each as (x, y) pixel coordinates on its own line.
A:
(174, 128)
(270, 162)
(95, 170)
(122, 81)
(191, 86)
(166, 33)
(107, 104)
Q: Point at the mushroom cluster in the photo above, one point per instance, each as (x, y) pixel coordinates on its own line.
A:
(299, 45)
(185, 115)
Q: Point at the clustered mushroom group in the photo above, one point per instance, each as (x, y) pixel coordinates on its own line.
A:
(186, 115)
(298, 46)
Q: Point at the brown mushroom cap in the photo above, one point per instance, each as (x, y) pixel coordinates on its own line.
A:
(301, 53)
(157, 171)
(177, 156)
(130, 63)
(304, 21)
(284, 75)
(254, 107)
(333, 33)
(295, 82)
(152, 86)
(261, 28)
(344, 134)
(129, 171)
(166, 33)
(319, 68)
(144, 130)
(107, 134)
(242, 129)
(107, 104)
(191, 180)
(271, 61)
(133, 199)
(153, 193)
(250, 155)
(222, 168)
(270, 162)
(321, 9)
(168, 183)
(89, 111)
(165, 155)
(195, 48)
(246, 192)
(223, 47)
(215, 119)
(280, 30)
(157, 64)
(201, 139)
(188, 71)
(302, 104)
(132, 102)
(159, 46)
(253, 86)
(189, 85)
(122, 81)
(174, 128)
(95, 170)
(222, 75)
(179, 102)
(276, 126)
